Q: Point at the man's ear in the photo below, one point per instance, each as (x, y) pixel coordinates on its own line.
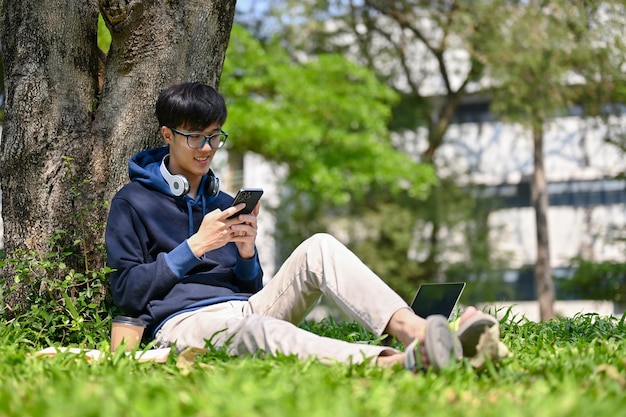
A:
(167, 134)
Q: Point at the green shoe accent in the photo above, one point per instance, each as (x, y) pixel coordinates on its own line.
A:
(455, 324)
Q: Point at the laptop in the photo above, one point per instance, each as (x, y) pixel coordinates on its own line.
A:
(437, 298)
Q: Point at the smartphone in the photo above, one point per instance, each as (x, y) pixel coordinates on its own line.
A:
(250, 196)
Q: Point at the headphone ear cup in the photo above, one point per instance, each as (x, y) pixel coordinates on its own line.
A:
(179, 185)
(213, 185)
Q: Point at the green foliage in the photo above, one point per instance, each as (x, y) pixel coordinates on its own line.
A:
(410, 113)
(574, 367)
(57, 303)
(399, 41)
(325, 118)
(341, 330)
(389, 250)
(104, 36)
(552, 57)
(58, 296)
(391, 234)
(538, 57)
(597, 281)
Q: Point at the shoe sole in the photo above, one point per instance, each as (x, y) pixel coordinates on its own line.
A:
(470, 331)
(441, 343)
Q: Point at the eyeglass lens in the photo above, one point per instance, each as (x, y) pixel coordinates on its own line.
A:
(198, 141)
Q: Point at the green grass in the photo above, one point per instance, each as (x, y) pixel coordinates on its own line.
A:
(565, 367)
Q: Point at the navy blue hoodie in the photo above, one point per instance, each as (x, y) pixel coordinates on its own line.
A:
(155, 273)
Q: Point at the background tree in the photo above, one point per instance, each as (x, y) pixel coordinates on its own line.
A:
(437, 54)
(324, 119)
(420, 49)
(55, 109)
(553, 55)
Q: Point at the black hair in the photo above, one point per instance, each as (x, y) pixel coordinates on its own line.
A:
(190, 105)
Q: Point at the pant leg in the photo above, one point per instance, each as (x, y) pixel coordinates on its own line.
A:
(226, 324)
(320, 265)
(215, 324)
(323, 265)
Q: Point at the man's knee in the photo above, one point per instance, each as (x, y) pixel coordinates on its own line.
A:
(324, 240)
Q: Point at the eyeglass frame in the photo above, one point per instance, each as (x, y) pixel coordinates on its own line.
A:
(205, 138)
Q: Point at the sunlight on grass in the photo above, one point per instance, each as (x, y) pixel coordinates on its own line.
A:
(573, 367)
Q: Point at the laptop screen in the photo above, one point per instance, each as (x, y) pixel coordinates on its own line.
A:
(437, 298)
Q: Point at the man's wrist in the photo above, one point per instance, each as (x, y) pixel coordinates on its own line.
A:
(196, 246)
(245, 255)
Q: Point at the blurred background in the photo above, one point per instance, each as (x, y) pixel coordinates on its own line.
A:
(440, 140)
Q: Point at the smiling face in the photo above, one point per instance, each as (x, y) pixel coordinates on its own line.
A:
(196, 109)
(192, 163)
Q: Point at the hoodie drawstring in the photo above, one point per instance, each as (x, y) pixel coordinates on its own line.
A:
(190, 212)
(190, 216)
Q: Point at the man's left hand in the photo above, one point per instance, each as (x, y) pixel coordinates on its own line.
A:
(244, 233)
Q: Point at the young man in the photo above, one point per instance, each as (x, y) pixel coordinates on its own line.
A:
(193, 275)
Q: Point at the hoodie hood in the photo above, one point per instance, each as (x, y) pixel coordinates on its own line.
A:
(144, 168)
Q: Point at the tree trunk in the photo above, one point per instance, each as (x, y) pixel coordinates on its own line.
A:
(431, 268)
(543, 271)
(233, 180)
(51, 60)
(54, 108)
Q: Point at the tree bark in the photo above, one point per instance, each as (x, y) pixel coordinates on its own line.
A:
(543, 271)
(154, 44)
(55, 109)
(50, 59)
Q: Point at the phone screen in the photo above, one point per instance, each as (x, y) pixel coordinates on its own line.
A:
(437, 298)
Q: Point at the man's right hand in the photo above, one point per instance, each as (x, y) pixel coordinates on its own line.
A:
(215, 231)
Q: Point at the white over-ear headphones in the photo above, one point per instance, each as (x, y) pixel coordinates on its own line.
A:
(179, 185)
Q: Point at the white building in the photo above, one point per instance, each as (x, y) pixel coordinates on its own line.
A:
(587, 201)
(587, 196)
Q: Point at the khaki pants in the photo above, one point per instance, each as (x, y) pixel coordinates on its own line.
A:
(267, 321)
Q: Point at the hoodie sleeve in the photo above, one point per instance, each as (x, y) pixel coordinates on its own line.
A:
(181, 259)
(249, 274)
(134, 282)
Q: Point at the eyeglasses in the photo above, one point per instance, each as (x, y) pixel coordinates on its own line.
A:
(196, 141)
